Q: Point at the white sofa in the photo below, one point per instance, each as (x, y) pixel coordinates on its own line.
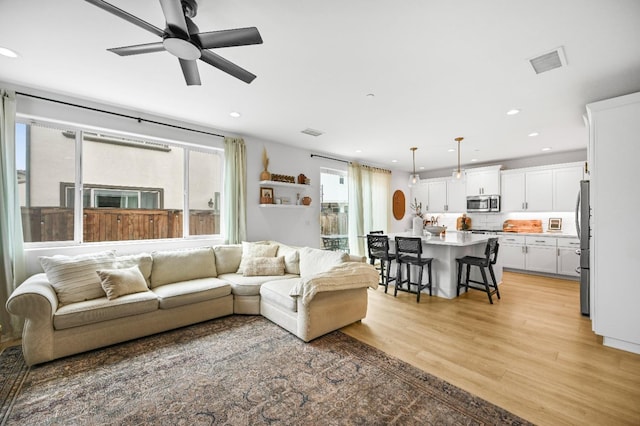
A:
(67, 310)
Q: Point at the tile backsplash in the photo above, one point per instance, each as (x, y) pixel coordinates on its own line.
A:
(495, 220)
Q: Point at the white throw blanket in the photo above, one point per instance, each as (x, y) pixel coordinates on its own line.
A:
(344, 276)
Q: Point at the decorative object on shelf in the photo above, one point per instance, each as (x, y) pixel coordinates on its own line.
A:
(555, 224)
(266, 195)
(417, 208)
(399, 205)
(302, 179)
(283, 178)
(530, 226)
(306, 201)
(459, 175)
(414, 178)
(265, 175)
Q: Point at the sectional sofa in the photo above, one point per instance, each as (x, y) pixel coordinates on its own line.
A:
(86, 302)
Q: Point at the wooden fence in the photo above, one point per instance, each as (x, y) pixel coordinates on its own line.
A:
(106, 224)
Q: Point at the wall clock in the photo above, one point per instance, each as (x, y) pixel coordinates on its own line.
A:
(399, 204)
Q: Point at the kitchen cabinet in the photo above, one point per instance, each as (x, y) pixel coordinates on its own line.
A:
(568, 259)
(527, 191)
(483, 181)
(437, 196)
(456, 197)
(512, 251)
(440, 196)
(541, 254)
(420, 193)
(566, 184)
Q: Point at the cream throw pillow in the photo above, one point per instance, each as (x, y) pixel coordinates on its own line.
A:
(74, 278)
(119, 282)
(250, 250)
(263, 266)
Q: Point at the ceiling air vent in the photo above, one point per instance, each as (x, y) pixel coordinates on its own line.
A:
(549, 61)
(312, 132)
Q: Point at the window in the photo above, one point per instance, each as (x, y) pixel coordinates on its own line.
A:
(131, 189)
(334, 214)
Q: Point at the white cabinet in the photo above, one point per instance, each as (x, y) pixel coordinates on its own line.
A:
(527, 191)
(483, 181)
(568, 259)
(566, 184)
(541, 254)
(512, 251)
(440, 196)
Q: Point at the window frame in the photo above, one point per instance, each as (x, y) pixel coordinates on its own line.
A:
(80, 131)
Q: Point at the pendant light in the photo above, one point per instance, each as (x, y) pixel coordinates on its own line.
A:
(458, 174)
(414, 178)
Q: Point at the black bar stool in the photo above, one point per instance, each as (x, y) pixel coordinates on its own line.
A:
(409, 252)
(490, 258)
(378, 247)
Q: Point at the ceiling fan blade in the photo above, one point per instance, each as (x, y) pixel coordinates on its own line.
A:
(174, 16)
(228, 38)
(127, 16)
(190, 72)
(227, 66)
(138, 49)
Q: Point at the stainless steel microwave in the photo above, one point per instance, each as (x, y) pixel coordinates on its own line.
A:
(483, 203)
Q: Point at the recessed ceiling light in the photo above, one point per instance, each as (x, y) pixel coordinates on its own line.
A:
(513, 111)
(473, 160)
(548, 148)
(533, 134)
(422, 168)
(235, 114)
(8, 52)
(394, 161)
(451, 150)
(358, 151)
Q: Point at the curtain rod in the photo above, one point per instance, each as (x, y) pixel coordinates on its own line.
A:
(330, 158)
(138, 119)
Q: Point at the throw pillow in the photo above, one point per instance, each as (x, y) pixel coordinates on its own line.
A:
(173, 266)
(144, 261)
(119, 282)
(291, 259)
(250, 250)
(74, 278)
(314, 261)
(264, 266)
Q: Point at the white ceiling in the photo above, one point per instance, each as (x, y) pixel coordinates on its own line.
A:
(438, 69)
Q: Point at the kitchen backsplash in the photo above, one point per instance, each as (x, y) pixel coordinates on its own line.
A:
(495, 220)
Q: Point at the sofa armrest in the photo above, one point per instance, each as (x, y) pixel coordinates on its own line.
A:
(36, 301)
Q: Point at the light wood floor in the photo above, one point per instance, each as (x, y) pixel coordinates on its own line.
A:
(531, 353)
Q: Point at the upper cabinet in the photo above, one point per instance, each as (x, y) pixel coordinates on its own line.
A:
(440, 196)
(483, 181)
(541, 189)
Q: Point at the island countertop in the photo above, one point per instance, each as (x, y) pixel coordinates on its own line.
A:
(450, 238)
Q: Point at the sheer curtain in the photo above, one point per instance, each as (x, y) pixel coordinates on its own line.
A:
(235, 190)
(12, 270)
(369, 203)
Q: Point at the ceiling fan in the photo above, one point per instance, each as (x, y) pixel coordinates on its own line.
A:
(181, 38)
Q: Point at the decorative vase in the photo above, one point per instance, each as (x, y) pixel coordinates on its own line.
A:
(306, 201)
(417, 226)
(265, 175)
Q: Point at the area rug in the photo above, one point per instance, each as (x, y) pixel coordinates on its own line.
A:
(238, 370)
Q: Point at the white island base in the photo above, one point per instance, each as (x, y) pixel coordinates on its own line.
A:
(444, 250)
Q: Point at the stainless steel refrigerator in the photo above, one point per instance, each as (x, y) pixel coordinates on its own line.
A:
(583, 215)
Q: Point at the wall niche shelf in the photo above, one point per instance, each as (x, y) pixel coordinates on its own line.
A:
(284, 184)
(287, 189)
(282, 206)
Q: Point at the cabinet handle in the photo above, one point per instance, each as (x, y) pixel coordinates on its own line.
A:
(540, 241)
(523, 206)
(558, 252)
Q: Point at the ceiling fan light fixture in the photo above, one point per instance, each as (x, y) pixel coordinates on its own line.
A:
(414, 178)
(182, 49)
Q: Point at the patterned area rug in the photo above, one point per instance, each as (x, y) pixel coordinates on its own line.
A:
(240, 370)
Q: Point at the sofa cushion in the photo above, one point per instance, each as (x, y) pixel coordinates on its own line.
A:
(250, 286)
(314, 261)
(144, 261)
(291, 258)
(263, 266)
(192, 291)
(74, 278)
(120, 282)
(260, 249)
(228, 258)
(277, 293)
(174, 266)
(99, 310)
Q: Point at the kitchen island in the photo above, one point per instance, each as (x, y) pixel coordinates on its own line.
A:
(444, 250)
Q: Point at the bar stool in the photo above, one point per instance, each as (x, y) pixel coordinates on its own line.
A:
(490, 258)
(378, 247)
(409, 252)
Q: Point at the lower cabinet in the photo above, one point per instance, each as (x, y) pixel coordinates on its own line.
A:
(544, 254)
